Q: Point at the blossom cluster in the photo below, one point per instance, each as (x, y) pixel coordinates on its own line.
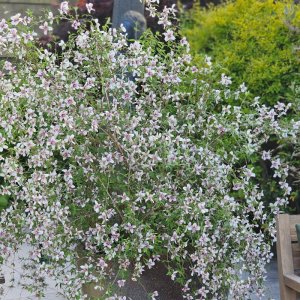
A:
(117, 155)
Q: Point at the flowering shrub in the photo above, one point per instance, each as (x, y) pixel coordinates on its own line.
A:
(289, 148)
(125, 150)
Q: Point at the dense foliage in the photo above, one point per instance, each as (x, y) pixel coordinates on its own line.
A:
(125, 150)
(254, 41)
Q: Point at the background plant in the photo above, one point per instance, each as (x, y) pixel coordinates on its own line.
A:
(253, 41)
(256, 42)
(157, 168)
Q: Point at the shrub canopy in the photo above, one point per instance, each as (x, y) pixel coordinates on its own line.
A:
(125, 149)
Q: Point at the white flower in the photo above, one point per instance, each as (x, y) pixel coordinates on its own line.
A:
(64, 8)
(154, 295)
(50, 17)
(208, 60)
(62, 44)
(164, 21)
(169, 35)
(173, 276)
(89, 7)
(243, 88)
(225, 80)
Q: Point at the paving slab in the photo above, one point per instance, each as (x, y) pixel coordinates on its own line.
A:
(271, 284)
(12, 288)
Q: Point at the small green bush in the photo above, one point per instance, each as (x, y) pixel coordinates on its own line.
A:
(253, 41)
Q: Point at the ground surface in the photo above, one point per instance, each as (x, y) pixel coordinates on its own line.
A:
(16, 292)
(272, 283)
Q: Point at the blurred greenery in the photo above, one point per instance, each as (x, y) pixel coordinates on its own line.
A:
(252, 41)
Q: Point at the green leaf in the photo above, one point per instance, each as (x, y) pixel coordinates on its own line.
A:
(4, 201)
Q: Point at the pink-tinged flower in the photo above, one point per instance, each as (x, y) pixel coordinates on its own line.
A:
(97, 207)
(129, 227)
(75, 85)
(28, 36)
(45, 27)
(193, 227)
(89, 7)
(8, 66)
(121, 283)
(3, 25)
(164, 21)
(169, 35)
(276, 164)
(64, 8)
(90, 83)
(76, 24)
(266, 155)
(13, 36)
(249, 173)
(101, 263)
(16, 19)
(85, 269)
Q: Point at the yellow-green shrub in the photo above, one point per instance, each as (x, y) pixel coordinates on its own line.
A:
(253, 41)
